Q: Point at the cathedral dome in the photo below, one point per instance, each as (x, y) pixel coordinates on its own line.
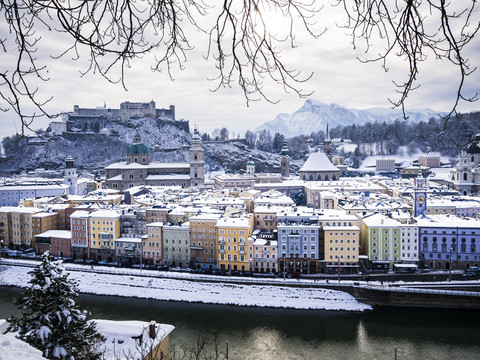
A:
(137, 148)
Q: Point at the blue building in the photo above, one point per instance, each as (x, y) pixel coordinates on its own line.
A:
(446, 240)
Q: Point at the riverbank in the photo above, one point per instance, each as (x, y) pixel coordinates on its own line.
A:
(169, 289)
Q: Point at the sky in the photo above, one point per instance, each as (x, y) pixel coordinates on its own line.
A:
(338, 77)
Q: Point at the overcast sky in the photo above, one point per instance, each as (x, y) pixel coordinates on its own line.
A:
(338, 78)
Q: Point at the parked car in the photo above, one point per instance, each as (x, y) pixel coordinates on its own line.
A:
(470, 274)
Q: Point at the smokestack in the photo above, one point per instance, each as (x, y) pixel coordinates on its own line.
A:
(151, 329)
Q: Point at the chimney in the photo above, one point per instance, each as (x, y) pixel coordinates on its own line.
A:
(151, 329)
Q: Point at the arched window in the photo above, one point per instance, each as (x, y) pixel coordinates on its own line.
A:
(319, 177)
(326, 177)
(334, 178)
(310, 177)
(465, 176)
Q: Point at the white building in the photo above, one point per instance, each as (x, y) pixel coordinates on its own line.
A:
(409, 243)
(385, 165)
(11, 195)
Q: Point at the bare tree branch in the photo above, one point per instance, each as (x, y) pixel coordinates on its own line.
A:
(412, 30)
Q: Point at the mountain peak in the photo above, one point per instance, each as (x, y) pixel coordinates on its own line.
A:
(314, 115)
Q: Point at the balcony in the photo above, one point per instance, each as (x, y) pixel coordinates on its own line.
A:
(241, 252)
(221, 251)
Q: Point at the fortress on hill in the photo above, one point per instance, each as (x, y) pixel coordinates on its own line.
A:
(95, 119)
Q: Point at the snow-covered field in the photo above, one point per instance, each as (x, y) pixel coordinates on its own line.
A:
(203, 292)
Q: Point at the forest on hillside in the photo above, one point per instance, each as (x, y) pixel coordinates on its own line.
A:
(447, 139)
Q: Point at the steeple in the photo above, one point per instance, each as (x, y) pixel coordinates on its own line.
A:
(327, 144)
(137, 138)
(197, 162)
(250, 166)
(285, 160)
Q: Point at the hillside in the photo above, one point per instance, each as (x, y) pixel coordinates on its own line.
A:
(92, 151)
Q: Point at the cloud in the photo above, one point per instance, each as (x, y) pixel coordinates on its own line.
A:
(337, 77)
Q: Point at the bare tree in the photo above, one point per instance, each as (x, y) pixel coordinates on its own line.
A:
(413, 30)
(110, 34)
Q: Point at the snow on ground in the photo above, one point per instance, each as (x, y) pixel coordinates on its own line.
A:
(15, 349)
(203, 292)
(402, 156)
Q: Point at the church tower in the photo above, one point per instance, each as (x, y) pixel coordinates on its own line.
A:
(250, 166)
(197, 163)
(285, 161)
(70, 175)
(327, 145)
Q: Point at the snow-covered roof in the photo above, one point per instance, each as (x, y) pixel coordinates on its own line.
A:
(116, 178)
(43, 214)
(32, 187)
(447, 221)
(120, 342)
(341, 228)
(111, 214)
(19, 209)
(80, 214)
(239, 222)
(125, 239)
(318, 161)
(151, 165)
(380, 220)
(62, 234)
(168, 177)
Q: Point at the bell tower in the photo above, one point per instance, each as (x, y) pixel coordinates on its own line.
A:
(285, 161)
(70, 175)
(197, 163)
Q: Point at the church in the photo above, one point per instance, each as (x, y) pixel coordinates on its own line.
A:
(465, 177)
(139, 170)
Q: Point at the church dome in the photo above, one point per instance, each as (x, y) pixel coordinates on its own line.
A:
(137, 149)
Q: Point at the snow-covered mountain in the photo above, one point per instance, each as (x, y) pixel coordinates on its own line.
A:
(313, 116)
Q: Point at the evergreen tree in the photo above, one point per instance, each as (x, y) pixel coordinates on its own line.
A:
(51, 321)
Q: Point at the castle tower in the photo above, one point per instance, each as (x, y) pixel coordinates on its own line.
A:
(327, 145)
(197, 163)
(250, 166)
(70, 175)
(285, 161)
(138, 152)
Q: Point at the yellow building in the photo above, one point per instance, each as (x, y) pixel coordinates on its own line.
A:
(104, 229)
(233, 249)
(16, 228)
(342, 248)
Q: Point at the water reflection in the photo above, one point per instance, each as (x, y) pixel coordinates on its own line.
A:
(271, 334)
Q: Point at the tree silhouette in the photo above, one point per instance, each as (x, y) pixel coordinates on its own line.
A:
(240, 43)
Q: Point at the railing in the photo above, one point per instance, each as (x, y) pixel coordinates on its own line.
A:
(414, 290)
(279, 281)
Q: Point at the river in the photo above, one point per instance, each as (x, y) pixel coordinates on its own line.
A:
(268, 334)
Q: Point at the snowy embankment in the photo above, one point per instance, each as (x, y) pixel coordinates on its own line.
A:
(202, 292)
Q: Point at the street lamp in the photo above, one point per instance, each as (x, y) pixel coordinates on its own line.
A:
(338, 267)
(284, 268)
(450, 267)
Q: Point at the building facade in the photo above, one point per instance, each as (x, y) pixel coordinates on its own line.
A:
(140, 170)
